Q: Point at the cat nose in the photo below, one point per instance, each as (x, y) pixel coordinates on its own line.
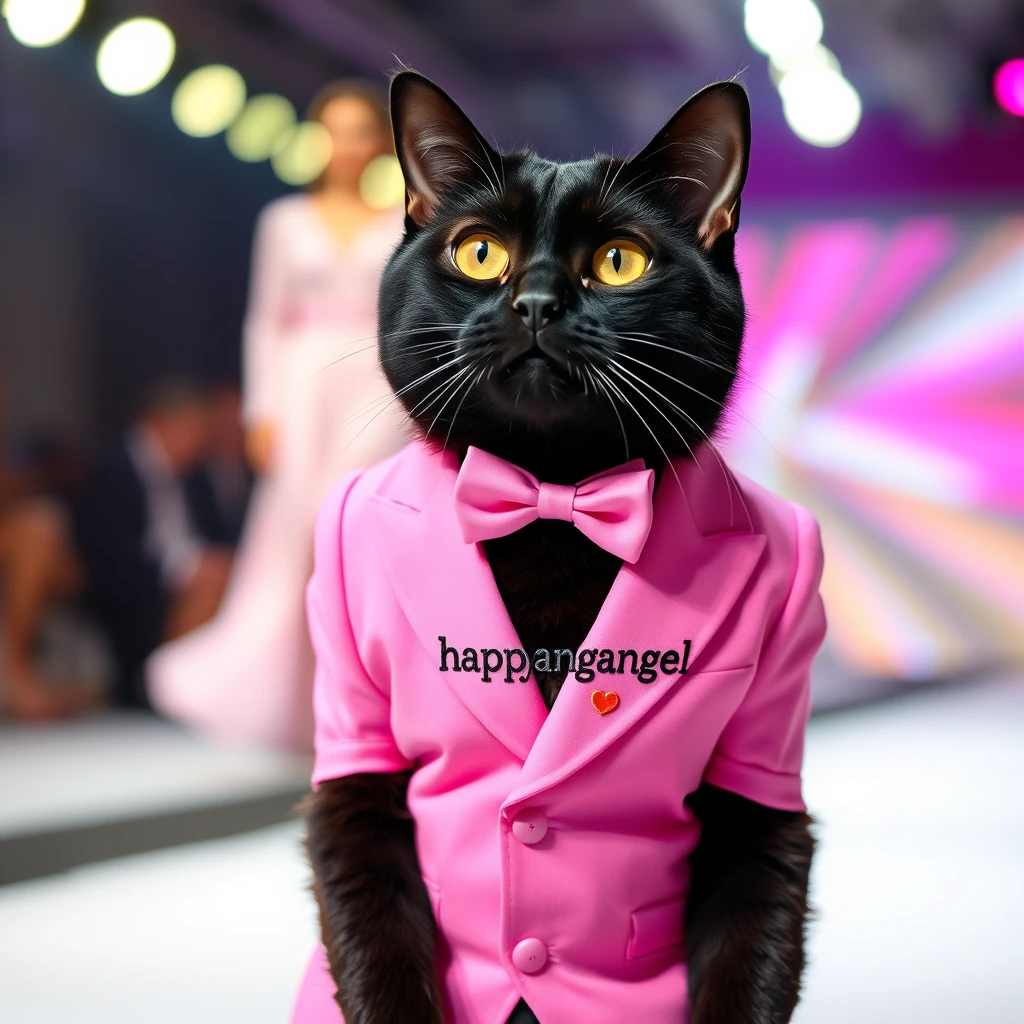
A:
(539, 301)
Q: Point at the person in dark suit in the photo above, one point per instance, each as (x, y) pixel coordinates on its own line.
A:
(150, 573)
(219, 489)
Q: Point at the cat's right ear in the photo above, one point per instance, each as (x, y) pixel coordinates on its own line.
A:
(437, 145)
(703, 151)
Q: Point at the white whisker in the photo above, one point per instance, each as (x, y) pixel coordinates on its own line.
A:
(730, 480)
(721, 405)
(668, 461)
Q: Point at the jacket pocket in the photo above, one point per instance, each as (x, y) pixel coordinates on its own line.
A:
(434, 892)
(656, 926)
(723, 673)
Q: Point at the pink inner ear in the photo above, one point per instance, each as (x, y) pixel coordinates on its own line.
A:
(417, 208)
(704, 149)
(436, 142)
(718, 221)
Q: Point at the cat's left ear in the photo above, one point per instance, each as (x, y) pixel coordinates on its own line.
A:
(704, 150)
(437, 145)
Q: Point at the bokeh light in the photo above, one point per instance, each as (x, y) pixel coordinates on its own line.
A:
(42, 22)
(302, 153)
(382, 185)
(135, 56)
(782, 28)
(260, 127)
(817, 56)
(208, 100)
(820, 105)
(1008, 87)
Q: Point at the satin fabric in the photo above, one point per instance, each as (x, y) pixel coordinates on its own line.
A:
(493, 498)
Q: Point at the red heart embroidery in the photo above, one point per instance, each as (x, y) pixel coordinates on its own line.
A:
(604, 700)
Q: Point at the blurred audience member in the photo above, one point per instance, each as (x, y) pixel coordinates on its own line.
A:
(37, 565)
(151, 575)
(220, 487)
(316, 405)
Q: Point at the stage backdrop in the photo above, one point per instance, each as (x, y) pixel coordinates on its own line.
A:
(883, 387)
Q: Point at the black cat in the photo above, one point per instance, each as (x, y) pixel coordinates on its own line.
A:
(503, 326)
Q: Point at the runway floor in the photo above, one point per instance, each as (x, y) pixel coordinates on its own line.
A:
(919, 884)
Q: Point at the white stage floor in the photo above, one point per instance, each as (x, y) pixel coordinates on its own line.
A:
(919, 883)
(123, 764)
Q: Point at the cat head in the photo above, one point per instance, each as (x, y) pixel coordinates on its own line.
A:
(565, 316)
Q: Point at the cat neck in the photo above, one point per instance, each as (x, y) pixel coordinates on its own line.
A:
(558, 460)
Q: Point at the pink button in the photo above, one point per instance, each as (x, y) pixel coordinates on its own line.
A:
(529, 955)
(530, 826)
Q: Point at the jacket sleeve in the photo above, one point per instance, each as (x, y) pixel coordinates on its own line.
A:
(352, 715)
(760, 752)
(265, 318)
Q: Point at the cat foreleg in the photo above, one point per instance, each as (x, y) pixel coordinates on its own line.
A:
(376, 920)
(747, 910)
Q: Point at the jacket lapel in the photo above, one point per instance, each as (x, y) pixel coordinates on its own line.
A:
(446, 588)
(681, 589)
(686, 581)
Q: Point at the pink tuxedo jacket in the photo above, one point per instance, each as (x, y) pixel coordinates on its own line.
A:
(555, 846)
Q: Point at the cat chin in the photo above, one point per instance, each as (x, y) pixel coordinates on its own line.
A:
(535, 390)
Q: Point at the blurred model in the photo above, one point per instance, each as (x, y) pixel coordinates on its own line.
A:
(315, 405)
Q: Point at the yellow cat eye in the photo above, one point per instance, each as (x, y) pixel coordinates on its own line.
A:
(481, 257)
(619, 262)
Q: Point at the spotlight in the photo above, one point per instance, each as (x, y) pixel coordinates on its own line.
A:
(1008, 87)
(135, 56)
(302, 153)
(208, 100)
(821, 106)
(782, 28)
(42, 22)
(260, 128)
(381, 185)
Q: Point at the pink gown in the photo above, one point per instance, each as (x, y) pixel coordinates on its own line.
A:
(311, 367)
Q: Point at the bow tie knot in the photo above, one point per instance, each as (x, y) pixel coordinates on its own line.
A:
(555, 501)
(613, 508)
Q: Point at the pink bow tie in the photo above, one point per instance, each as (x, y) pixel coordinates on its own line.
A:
(613, 508)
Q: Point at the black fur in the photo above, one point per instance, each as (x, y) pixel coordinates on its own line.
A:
(747, 910)
(550, 402)
(376, 920)
(644, 370)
